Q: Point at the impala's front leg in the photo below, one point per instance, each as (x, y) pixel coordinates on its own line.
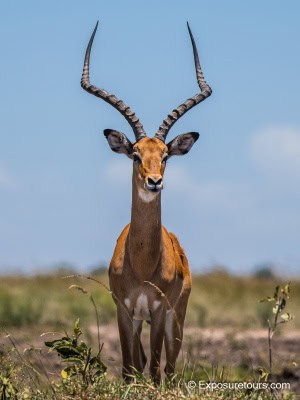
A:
(158, 318)
(125, 325)
(174, 328)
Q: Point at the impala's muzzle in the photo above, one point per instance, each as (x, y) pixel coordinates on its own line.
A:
(154, 183)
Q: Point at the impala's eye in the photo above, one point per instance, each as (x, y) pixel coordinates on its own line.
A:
(136, 158)
(164, 159)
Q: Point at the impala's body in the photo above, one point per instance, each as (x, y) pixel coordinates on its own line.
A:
(147, 262)
(149, 274)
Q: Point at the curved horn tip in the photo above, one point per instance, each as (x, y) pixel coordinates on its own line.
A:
(94, 30)
(96, 27)
(190, 31)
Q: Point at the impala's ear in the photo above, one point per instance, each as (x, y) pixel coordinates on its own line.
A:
(119, 142)
(182, 144)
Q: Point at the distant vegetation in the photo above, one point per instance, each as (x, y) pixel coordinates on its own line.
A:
(218, 299)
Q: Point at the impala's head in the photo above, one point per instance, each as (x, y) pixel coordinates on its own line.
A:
(149, 155)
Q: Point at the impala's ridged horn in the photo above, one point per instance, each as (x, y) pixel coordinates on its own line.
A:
(189, 103)
(126, 111)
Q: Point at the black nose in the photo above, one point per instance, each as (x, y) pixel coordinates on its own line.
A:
(154, 182)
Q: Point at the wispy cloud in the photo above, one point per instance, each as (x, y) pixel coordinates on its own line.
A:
(276, 150)
(225, 195)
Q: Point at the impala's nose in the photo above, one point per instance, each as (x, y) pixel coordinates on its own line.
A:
(154, 183)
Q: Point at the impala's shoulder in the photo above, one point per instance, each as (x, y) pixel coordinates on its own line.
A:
(176, 245)
(117, 261)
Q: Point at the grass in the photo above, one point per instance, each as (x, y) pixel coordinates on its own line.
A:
(20, 378)
(31, 305)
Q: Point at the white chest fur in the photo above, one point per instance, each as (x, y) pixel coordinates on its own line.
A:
(142, 307)
(141, 310)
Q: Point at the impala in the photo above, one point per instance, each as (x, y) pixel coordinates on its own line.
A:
(149, 274)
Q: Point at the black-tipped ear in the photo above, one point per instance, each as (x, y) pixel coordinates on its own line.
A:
(182, 144)
(119, 142)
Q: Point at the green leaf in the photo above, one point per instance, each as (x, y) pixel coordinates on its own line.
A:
(75, 360)
(53, 343)
(64, 348)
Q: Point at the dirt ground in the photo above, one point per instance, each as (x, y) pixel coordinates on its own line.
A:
(246, 350)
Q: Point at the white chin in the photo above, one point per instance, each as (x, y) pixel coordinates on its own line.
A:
(146, 195)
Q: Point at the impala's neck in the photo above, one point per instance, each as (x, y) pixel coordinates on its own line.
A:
(144, 238)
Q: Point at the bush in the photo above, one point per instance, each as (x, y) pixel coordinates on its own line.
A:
(19, 311)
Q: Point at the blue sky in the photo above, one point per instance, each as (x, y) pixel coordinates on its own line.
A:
(64, 196)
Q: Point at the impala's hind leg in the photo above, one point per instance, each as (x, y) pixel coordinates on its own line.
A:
(139, 357)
